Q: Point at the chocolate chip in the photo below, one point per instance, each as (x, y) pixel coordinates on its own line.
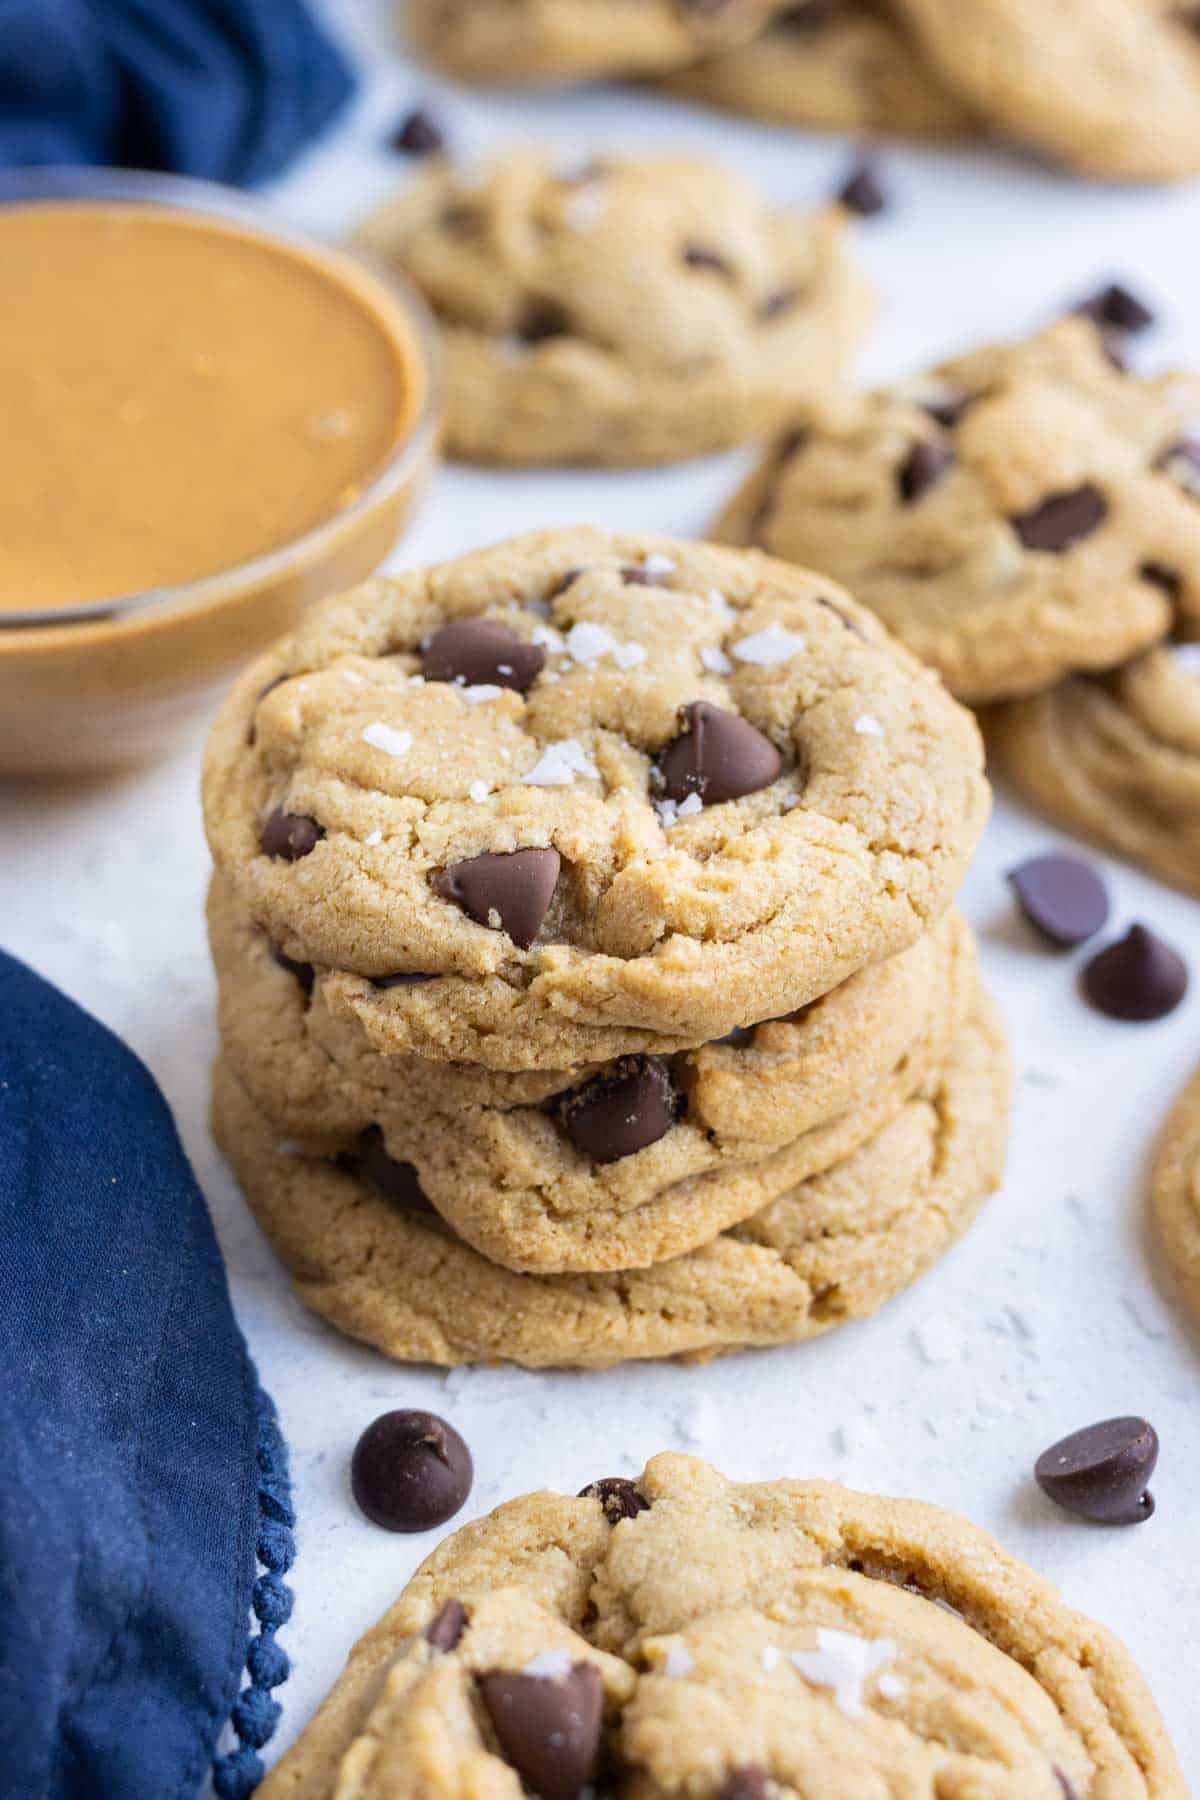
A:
(738, 1038)
(778, 303)
(395, 1180)
(922, 469)
(446, 1626)
(410, 1471)
(1114, 308)
(418, 134)
(619, 1114)
(810, 17)
(1188, 17)
(508, 891)
(718, 755)
(699, 256)
(479, 651)
(619, 1498)
(563, 583)
(1159, 576)
(1102, 1471)
(1062, 897)
(548, 1731)
(1062, 520)
(404, 978)
(541, 318)
(290, 835)
(862, 192)
(746, 1783)
(948, 409)
(1138, 978)
(302, 972)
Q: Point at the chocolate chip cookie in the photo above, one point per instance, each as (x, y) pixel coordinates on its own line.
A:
(1117, 759)
(621, 312)
(681, 1634)
(1019, 513)
(832, 65)
(564, 798)
(1175, 1191)
(576, 40)
(377, 1261)
(609, 1167)
(1108, 87)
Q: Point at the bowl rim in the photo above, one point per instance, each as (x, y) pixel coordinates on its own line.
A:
(395, 299)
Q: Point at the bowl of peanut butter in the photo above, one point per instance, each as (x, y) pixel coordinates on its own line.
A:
(211, 421)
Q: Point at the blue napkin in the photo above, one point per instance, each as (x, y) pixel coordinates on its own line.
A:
(143, 1479)
(226, 89)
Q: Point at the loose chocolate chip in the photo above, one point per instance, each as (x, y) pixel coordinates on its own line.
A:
(778, 303)
(290, 835)
(540, 319)
(397, 1181)
(1138, 978)
(548, 1731)
(922, 469)
(410, 1471)
(302, 972)
(718, 755)
(1159, 576)
(508, 891)
(405, 978)
(948, 409)
(478, 651)
(619, 1114)
(862, 191)
(1102, 1471)
(1114, 308)
(699, 256)
(447, 1625)
(748, 1783)
(418, 134)
(1062, 520)
(1062, 897)
(619, 1498)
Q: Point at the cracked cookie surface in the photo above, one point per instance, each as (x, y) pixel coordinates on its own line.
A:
(1175, 1191)
(1108, 87)
(1018, 513)
(614, 1166)
(786, 1640)
(1117, 759)
(722, 791)
(625, 313)
(832, 1249)
(831, 65)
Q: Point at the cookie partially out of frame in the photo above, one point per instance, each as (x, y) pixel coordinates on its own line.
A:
(1175, 1191)
(681, 1634)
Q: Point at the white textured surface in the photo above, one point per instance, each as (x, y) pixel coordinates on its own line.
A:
(1048, 1316)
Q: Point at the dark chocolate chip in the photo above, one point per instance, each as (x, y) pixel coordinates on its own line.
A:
(1188, 17)
(746, 1783)
(922, 468)
(1062, 897)
(548, 1731)
(404, 978)
(447, 1625)
(618, 1497)
(810, 17)
(410, 1471)
(481, 651)
(1138, 978)
(862, 191)
(302, 972)
(699, 256)
(623, 1112)
(397, 1181)
(1062, 520)
(418, 134)
(718, 755)
(290, 835)
(541, 318)
(738, 1038)
(1159, 576)
(1114, 308)
(780, 302)
(948, 409)
(1102, 1472)
(508, 891)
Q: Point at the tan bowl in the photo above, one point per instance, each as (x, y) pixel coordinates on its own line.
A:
(116, 681)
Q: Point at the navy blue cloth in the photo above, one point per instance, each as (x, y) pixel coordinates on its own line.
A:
(225, 89)
(139, 1462)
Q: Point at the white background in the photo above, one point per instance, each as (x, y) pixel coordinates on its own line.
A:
(1052, 1313)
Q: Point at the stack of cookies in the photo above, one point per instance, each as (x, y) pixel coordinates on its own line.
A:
(590, 986)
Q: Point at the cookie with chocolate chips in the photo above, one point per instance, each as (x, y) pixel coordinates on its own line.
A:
(723, 791)
(1018, 514)
(624, 312)
(831, 65)
(612, 1166)
(542, 41)
(834, 1247)
(1175, 1191)
(732, 1642)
